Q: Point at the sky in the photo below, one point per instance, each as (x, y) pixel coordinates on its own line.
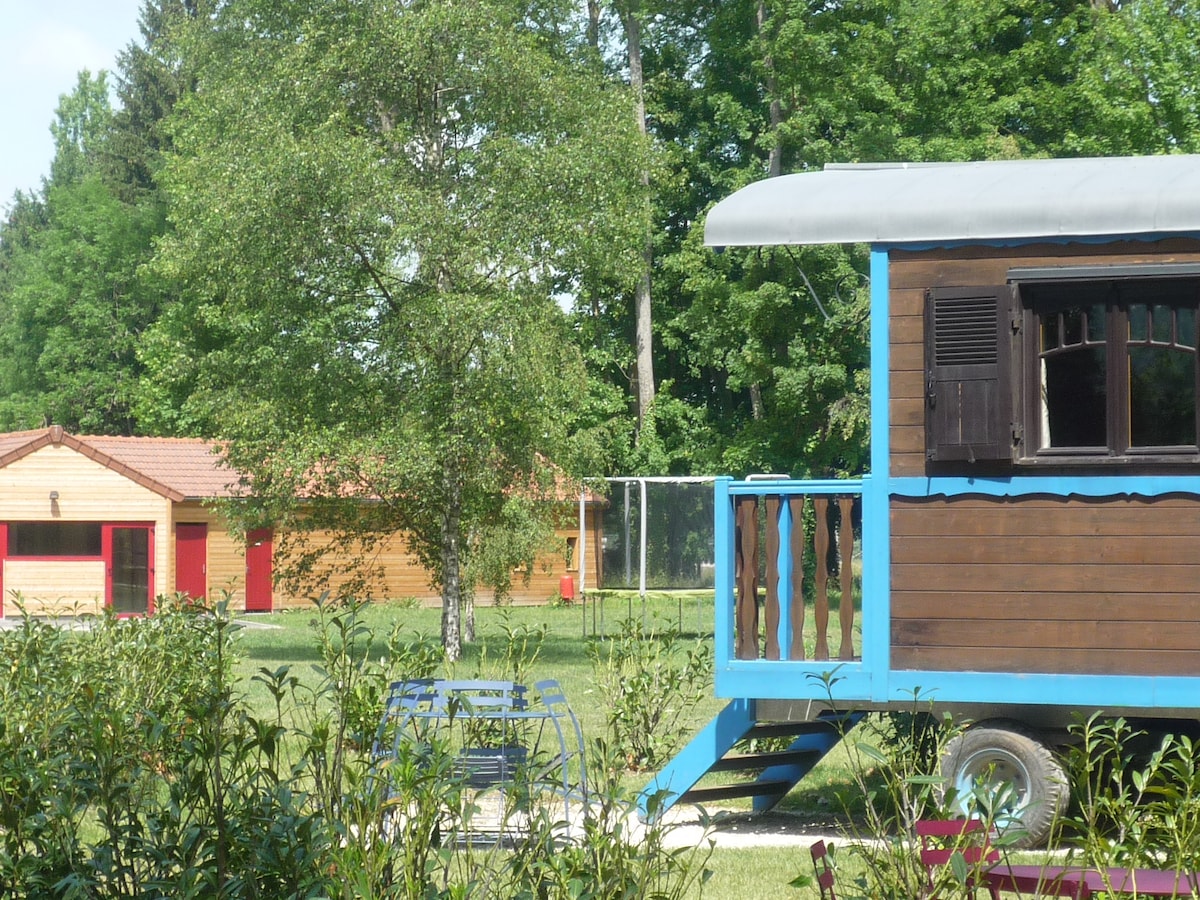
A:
(44, 44)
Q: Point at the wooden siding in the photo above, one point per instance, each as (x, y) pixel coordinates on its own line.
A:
(404, 577)
(1046, 584)
(226, 555)
(910, 273)
(53, 587)
(91, 492)
(87, 492)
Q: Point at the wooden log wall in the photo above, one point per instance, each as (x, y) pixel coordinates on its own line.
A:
(1047, 584)
(1076, 585)
(769, 619)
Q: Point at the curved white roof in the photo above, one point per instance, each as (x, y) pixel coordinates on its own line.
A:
(900, 203)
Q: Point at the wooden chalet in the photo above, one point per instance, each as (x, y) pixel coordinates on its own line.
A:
(1030, 520)
(93, 522)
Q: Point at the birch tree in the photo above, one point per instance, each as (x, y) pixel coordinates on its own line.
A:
(379, 208)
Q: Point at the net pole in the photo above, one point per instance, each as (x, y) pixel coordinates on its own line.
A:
(642, 550)
(581, 556)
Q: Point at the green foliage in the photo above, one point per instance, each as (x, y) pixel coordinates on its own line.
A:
(400, 341)
(1138, 81)
(520, 646)
(642, 663)
(1137, 796)
(166, 781)
(74, 303)
(448, 179)
(615, 856)
(894, 767)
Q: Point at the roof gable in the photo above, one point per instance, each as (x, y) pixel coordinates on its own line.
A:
(176, 468)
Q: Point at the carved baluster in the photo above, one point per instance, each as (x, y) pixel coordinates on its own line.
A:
(821, 548)
(771, 610)
(796, 504)
(746, 644)
(846, 551)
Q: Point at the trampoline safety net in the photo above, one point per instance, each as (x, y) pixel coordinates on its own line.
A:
(678, 540)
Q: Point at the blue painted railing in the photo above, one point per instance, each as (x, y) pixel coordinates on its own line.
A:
(766, 532)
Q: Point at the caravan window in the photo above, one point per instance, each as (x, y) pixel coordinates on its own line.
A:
(1111, 369)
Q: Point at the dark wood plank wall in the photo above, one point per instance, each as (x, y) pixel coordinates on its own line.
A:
(911, 273)
(1035, 584)
(1046, 584)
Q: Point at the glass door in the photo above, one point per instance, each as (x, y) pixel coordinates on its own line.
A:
(128, 550)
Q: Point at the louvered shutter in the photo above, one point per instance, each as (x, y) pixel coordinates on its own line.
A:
(968, 366)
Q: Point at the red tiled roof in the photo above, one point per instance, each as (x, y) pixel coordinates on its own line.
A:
(178, 468)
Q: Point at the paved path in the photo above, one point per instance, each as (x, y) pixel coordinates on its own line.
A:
(743, 829)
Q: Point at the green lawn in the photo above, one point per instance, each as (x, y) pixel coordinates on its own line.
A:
(563, 656)
(290, 638)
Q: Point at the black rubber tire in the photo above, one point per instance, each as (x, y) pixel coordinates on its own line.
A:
(999, 755)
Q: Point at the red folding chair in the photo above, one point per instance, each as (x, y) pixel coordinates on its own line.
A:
(941, 839)
(824, 868)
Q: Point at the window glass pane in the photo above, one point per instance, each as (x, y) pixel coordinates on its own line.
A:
(130, 570)
(1072, 327)
(1139, 327)
(1185, 335)
(1162, 320)
(1096, 321)
(1049, 332)
(1074, 398)
(1162, 397)
(54, 539)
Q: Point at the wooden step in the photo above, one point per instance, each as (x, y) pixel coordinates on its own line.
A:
(740, 762)
(729, 791)
(789, 729)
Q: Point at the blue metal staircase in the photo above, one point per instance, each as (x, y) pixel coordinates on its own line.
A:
(711, 751)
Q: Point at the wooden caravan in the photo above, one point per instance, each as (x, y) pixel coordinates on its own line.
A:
(88, 523)
(1034, 491)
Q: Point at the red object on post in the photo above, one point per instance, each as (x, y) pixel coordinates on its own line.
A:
(566, 587)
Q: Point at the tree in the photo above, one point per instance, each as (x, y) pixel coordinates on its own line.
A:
(74, 305)
(152, 77)
(1138, 81)
(378, 207)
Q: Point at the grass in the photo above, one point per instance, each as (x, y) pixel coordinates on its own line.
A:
(563, 656)
(746, 873)
(759, 873)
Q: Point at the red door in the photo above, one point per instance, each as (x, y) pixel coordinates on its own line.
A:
(258, 570)
(191, 560)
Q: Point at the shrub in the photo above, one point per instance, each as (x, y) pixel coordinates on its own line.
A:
(164, 781)
(650, 681)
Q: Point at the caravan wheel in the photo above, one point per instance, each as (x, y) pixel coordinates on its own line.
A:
(1002, 772)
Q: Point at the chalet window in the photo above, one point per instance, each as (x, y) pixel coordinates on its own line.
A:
(1110, 369)
(54, 539)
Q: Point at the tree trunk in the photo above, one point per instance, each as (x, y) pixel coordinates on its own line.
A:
(775, 109)
(756, 402)
(451, 567)
(467, 605)
(644, 377)
(774, 156)
(593, 24)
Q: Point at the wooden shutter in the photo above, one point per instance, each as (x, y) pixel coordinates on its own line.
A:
(968, 371)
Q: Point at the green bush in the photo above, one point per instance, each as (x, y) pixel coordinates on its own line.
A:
(651, 681)
(133, 765)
